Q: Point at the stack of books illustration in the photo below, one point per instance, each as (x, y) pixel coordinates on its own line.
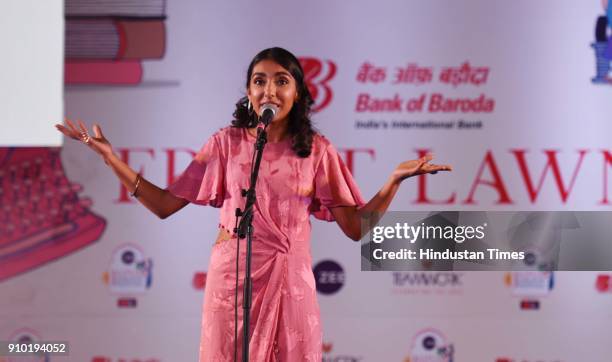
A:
(107, 41)
(42, 216)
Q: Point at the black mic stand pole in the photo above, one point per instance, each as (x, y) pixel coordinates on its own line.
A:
(245, 228)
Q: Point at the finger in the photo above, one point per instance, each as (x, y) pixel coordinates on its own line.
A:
(69, 122)
(436, 168)
(82, 125)
(93, 142)
(98, 131)
(75, 132)
(71, 126)
(65, 131)
(428, 157)
(423, 161)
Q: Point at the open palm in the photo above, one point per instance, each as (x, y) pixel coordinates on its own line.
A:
(417, 167)
(97, 142)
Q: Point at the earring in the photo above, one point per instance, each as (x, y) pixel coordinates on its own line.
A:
(250, 108)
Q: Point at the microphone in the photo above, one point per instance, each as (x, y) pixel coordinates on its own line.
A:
(268, 111)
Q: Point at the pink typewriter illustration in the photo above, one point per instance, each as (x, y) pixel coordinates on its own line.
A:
(42, 217)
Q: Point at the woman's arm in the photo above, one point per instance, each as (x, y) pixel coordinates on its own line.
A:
(349, 217)
(161, 202)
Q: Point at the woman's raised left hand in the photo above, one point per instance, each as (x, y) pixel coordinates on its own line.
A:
(417, 167)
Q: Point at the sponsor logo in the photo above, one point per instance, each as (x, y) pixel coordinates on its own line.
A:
(427, 283)
(539, 260)
(329, 356)
(327, 347)
(430, 345)
(603, 283)
(528, 285)
(26, 335)
(199, 280)
(129, 272)
(530, 304)
(329, 277)
(127, 303)
(317, 74)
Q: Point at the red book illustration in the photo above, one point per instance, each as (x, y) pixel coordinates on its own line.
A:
(115, 39)
(128, 8)
(42, 217)
(126, 72)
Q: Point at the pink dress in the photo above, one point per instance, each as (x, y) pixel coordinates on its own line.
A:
(285, 320)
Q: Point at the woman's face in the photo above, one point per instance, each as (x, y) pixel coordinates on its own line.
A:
(271, 83)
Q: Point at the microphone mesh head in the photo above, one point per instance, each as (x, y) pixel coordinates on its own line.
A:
(268, 112)
(269, 106)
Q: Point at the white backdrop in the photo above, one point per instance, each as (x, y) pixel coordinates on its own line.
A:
(32, 37)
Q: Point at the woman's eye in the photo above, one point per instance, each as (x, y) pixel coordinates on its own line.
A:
(282, 81)
(258, 81)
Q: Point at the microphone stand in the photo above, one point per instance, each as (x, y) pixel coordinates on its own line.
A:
(245, 228)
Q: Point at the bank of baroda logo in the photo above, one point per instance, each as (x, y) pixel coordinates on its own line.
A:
(317, 74)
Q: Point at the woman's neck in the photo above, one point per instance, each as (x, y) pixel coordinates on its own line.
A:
(277, 131)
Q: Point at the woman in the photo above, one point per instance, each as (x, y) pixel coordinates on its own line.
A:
(301, 174)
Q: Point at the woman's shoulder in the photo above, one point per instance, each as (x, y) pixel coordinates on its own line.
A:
(229, 135)
(228, 132)
(320, 142)
(223, 139)
(322, 147)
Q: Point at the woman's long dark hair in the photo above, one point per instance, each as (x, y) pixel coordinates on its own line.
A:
(299, 125)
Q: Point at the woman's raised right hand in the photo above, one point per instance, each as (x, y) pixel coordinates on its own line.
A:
(98, 142)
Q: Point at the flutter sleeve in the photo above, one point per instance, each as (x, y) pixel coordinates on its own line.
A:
(334, 186)
(203, 182)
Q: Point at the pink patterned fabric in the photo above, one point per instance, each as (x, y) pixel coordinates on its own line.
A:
(285, 320)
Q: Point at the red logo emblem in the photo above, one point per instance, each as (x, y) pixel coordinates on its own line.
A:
(327, 347)
(199, 280)
(604, 283)
(317, 74)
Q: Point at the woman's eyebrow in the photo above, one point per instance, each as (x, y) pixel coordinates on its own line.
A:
(261, 74)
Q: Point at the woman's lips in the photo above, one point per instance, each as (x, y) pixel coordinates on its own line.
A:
(275, 104)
